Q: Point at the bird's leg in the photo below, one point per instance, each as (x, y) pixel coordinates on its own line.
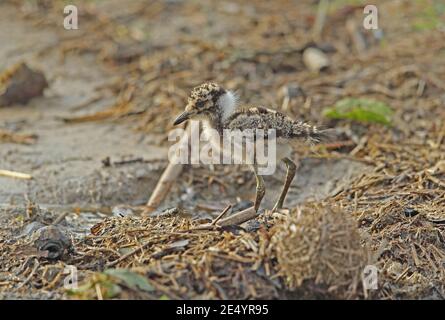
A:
(260, 187)
(291, 170)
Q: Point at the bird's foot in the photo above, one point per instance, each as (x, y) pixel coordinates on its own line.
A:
(279, 209)
(283, 211)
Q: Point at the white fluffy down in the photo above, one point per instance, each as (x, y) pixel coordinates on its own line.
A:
(227, 103)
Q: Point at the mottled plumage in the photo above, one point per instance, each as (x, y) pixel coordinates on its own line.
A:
(217, 108)
(263, 118)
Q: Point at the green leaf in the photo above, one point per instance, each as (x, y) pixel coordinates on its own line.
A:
(131, 279)
(362, 110)
(88, 291)
(79, 290)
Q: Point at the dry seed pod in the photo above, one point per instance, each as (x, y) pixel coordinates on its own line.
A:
(321, 245)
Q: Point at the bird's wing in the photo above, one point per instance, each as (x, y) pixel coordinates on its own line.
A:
(267, 119)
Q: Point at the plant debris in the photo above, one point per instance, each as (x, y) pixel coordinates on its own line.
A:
(321, 245)
(390, 214)
(11, 137)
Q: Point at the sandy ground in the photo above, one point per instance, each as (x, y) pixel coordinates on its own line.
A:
(66, 161)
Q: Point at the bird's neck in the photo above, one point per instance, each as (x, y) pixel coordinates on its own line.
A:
(214, 121)
(225, 107)
(227, 104)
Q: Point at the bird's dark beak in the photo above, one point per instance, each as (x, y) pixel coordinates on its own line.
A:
(183, 117)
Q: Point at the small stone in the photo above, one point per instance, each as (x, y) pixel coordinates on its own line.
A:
(20, 84)
(315, 59)
(122, 211)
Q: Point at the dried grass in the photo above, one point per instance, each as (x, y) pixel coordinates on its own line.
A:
(320, 245)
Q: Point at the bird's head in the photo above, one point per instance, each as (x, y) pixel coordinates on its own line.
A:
(206, 101)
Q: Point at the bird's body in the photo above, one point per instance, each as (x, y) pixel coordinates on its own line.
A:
(252, 119)
(218, 109)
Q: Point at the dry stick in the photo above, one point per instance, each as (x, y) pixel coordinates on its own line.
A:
(320, 20)
(60, 218)
(170, 174)
(161, 190)
(125, 256)
(315, 59)
(15, 174)
(222, 214)
(31, 274)
(86, 103)
(7, 136)
(357, 38)
(239, 217)
(235, 219)
(98, 292)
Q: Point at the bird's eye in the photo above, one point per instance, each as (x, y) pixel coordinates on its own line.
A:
(200, 104)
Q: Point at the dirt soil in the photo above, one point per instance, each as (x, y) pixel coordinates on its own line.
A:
(115, 86)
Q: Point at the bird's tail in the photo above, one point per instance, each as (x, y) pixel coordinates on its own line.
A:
(312, 134)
